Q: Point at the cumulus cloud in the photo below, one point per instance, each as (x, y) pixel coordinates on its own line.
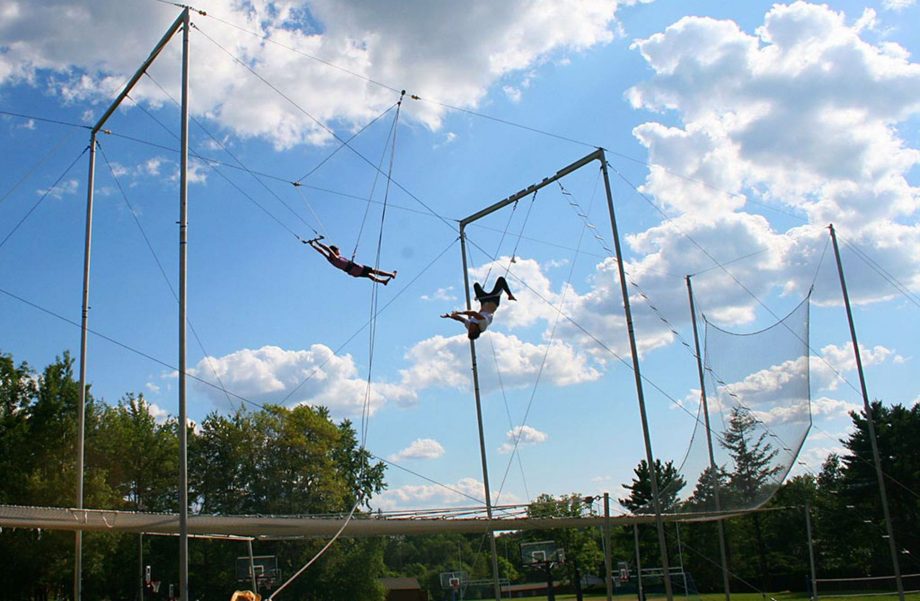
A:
(422, 448)
(897, 5)
(835, 361)
(449, 51)
(65, 188)
(466, 492)
(315, 376)
(803, 115)
(444, 362)
(522, 436)
(441, 294)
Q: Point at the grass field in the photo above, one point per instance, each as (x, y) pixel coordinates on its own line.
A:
(783, 596)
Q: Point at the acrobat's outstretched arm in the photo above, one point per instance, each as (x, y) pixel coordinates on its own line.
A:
(319, 246)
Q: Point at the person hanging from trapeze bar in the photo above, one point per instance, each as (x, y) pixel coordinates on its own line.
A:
(355, 270)
(476, 322)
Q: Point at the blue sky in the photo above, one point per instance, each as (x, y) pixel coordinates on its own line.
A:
(741, 128)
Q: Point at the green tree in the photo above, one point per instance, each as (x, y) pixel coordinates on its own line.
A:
(754, 477)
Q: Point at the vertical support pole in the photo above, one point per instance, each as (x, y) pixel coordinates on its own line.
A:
(81, 403)
(482, 440)
(140, 567)
(252, 568)
(183, 293)
(892, 545)
(714, 469)
(608, 560)
(634, 351)
(680, 557)
(811, 553)
(638, 563)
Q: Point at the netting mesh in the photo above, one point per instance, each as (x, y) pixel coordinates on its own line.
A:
(758, 393)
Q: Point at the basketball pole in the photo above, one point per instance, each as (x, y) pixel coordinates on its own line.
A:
(892, 545)
(811, 553)
(608, 560)
(638, 563)
(714, 470)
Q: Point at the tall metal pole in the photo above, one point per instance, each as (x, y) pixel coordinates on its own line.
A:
(608, 560)
(81, 403)
(81, 408)
(252, 567)
(482, 440)
(811, 553)
(653, 476)
(639, 590)
(183, 292)
(892, 545)
(714, 470)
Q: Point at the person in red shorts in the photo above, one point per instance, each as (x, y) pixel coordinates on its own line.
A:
(355, 270)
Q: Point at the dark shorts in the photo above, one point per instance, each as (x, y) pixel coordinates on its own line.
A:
(357, 271)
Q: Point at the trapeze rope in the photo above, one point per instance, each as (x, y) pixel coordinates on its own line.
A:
(372, 338)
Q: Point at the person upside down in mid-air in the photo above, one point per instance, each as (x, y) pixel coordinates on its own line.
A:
(476, 322)
(355, 270)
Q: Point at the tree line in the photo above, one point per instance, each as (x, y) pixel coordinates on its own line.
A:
(277, 460)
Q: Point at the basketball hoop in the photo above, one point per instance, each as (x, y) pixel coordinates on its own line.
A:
(155, 586)
(455, 584)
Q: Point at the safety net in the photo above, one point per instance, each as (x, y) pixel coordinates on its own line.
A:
(759, 413)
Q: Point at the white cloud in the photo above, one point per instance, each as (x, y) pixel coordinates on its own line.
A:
(62, 189)
(422, 448)
(444, 362)
(452, 51)
(315, 376)
(802, 115)
(150, 386)
(441, 294)
(837, 360)
(897, 5)
(522, 436)
(466, 492)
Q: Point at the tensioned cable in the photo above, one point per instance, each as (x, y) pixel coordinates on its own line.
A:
(596, 340)
(209, 165)
(884, 273)
(35, 167)
(732, 276)
(156, 260)
(328, 157)
(372, 339)
(322, 125)
(227, 150)
(498, 371)
(46, 120)
(361, 329)
(210, 384)
(42, 197)
(435, 482)
(872, 464)
(296, 183)
(121, 344)
(268, 38)
(549, 344)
